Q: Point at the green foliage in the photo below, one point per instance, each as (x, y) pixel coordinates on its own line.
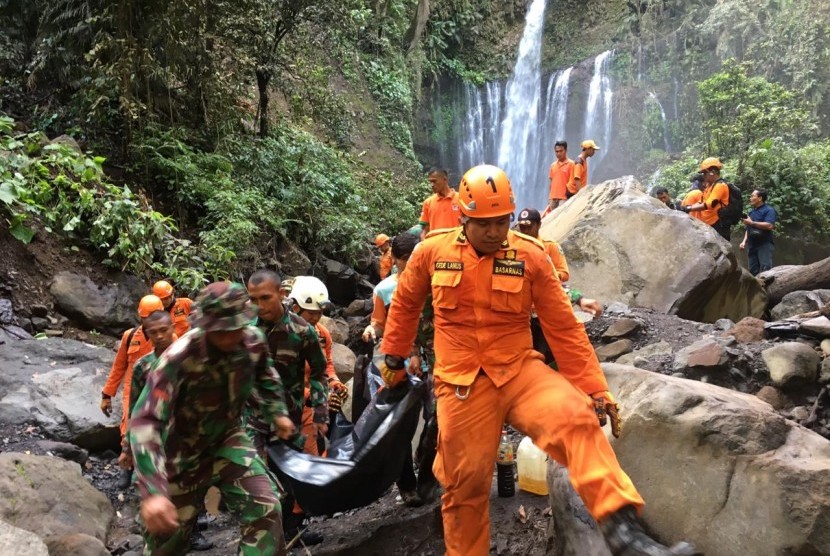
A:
(676, 177)
(390, 88)
(739, 110)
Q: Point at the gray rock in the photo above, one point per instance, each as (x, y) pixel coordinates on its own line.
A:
(724, 324)
(699, 278)
(39, 311)
(614, 349)
(6, 311)
(356, 308)
(799, 413)
(338, 328)
(791, 362)
(818, 325)
(727, 456)
(20, 542)
(109, 308)
(10, 333)
(64, 450)
(57, 383)
(824, 372)
(773, 396)
(651, 350)
(703, 355)
(344, 360)
(620, 328)
(40, 324)
(77, 544)
(49, 497)
(797, 302)
(341, 281)
(291, 259)
(617, 308)
(66, 141)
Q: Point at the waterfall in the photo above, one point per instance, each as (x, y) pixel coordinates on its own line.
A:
(519, 146)
(558, 103)
(472, 150)
(666, 144)
(598, 112)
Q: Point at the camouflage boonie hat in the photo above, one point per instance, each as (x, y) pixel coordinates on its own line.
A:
(223, 306)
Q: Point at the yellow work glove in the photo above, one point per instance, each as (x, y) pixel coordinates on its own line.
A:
(392, 371)
(106, 405)
(606, 406)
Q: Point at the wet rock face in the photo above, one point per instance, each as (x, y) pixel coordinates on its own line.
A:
(108, 307)
(631, 248)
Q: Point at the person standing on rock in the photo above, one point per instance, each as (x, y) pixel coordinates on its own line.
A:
(580, 171)
(186, 432)
(309, 297)
(294, 345)
(178, 307)
(484, 279)
(440, 210)
(715, 197)
(135, 344)
(560, 174)
(758, 235)
(385, 246)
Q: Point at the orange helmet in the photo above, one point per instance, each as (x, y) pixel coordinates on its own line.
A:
(381, 239)
(149, 304)
(485, 192)
(711, 162)
(162, 289)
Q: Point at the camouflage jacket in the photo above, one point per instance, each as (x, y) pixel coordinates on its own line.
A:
(140, 371)
(292, 343)
(192, 404)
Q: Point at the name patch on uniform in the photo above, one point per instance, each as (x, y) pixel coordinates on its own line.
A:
(508, 267)
(449, 265)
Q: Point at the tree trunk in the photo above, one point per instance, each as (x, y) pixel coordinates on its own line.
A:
(263, 78)
(572, 530)
(416, 28)
(802, 277)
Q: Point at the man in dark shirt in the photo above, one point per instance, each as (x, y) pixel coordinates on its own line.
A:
(758, 236)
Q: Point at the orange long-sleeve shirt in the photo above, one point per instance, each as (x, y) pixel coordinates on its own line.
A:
(482, 310)
(180, 313)
(325, 343)
(386, 263)
(557, 257)
(715, 196)
(122, 368)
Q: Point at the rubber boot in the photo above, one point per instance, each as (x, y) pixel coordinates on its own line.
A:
(125, 479)
(625, 536)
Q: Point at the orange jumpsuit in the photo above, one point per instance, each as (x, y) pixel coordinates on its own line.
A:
(580, 171)
(715, 196)
(693, 197)
(487, 373)
(386, 264)
(179, 312)
(122, 368)
(308, 414)
(557, 257)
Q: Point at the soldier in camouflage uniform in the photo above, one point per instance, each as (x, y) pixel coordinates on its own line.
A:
(292, 343)
(186, 432)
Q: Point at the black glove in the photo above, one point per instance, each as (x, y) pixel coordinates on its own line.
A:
(685, 209)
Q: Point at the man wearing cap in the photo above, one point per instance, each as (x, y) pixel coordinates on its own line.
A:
(178, 307)
(580, 173)
(385, 246)
(134, 345)
(186, 433)
(560, 174)
(715, 196)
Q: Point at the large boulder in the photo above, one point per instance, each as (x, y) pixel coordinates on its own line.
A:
(791, 362)
(341, 281)
(49, 497)
(57, 383)
(623, 245)
(291, 259)
(720, 468)
(344, 360)
(20, 542)
(109, 307)
(338, 328)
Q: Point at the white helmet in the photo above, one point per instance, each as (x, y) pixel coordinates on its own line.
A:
(310, 293)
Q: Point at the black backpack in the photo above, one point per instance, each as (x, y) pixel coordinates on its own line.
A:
(731, 213)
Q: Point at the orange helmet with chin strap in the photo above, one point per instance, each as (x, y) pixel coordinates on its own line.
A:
(485, 192)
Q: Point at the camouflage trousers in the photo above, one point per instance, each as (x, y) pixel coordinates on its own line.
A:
(247, 490)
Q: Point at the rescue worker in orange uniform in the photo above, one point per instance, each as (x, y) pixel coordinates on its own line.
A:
(178, 307)
(580, 172)
(715, 196)
(484, 279)
(440, 210)
(385, 245)
(560, 174)
(135, 344)
(309, 298)
(694, 195)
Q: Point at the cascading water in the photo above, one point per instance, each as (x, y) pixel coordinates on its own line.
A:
(519, 148)
(666, 144)
(598, 112)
